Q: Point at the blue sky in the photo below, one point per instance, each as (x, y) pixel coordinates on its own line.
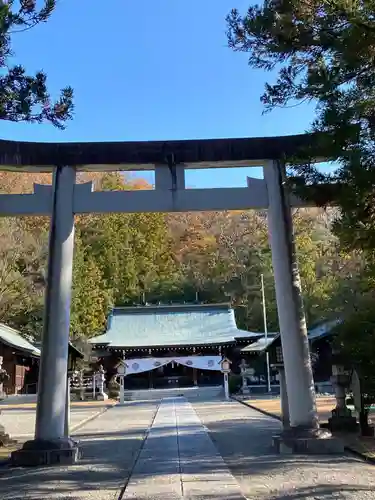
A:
(151, 70)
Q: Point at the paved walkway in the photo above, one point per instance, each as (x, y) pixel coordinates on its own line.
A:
(179, 460)
(204, 450)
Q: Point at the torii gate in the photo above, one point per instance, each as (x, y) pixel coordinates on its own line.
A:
(65, 198)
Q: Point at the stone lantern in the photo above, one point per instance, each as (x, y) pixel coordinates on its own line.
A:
(342, 418)
(225, 370)
(100, 378)
(246, 372)
(244, 368)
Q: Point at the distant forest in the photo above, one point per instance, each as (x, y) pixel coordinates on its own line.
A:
(121, 258)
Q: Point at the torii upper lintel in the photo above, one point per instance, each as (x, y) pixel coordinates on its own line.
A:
(196, 153)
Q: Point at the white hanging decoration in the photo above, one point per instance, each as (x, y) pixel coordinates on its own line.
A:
(139, 365)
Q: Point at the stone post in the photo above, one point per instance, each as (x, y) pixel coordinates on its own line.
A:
(81, 386)
(67, 407)
(226, 386)
(285, 419)
(195, 378)
(4, 437)
(122, 390)
(50, 445)
(1, 383)
(303, 417)
(94, 386)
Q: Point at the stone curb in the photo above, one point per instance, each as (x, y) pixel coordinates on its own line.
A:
(122, 491)
(277, 417)
(4, 462)
(265, 412)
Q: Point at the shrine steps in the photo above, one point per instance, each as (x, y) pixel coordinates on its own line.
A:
(205, 393)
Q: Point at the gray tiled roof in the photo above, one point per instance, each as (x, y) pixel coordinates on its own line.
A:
(323, 329)
(318, 332)
(149, 326)
(260, 344)
(12, 338)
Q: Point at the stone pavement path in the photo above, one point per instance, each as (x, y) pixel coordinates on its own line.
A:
(179, 460)
(243, 438)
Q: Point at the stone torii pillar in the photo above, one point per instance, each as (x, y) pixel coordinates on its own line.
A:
(304, 432)
(51, 444)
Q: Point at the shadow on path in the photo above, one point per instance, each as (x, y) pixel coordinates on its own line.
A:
(242, 436)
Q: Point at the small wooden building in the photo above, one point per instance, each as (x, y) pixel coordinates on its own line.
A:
(320, 341)
(20, 359)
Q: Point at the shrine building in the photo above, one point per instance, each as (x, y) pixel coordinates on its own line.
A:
(320, 338)
(20, 360)
(167, 346)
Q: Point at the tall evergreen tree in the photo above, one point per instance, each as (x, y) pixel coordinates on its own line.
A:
(90, 296)
(323, 53)
(24, 97)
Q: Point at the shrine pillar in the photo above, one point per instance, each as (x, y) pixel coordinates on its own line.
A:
(304, 432)
(294, 341)
(50, 444)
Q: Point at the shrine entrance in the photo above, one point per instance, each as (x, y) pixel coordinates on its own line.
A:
(173, 372)
(66, 198)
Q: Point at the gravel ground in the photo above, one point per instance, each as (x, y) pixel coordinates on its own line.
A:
(19, 422)
(243, 438)
(110, 444)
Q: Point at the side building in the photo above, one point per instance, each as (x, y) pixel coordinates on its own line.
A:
(320, 341)
(166, 346)
(20, 360)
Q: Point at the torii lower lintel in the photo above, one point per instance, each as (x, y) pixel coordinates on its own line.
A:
(85, 200)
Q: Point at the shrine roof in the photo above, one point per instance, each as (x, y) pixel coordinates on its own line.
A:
(317, 332)
(172, 325)
(322, 330)
(261, 344)
(12, 338)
